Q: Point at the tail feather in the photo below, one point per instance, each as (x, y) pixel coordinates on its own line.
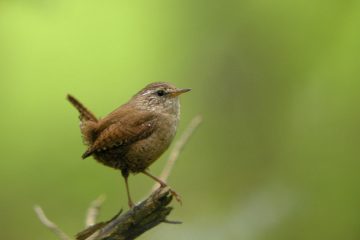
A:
(84, 113)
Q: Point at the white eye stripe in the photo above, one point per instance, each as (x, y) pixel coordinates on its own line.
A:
(147, 92)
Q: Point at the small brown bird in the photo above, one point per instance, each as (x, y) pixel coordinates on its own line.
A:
(134, 135)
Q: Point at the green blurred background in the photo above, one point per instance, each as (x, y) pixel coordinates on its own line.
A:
(277, 83)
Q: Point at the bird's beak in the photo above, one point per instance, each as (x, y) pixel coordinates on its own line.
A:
(179, 91)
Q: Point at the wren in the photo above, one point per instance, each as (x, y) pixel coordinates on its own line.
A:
(134, 135)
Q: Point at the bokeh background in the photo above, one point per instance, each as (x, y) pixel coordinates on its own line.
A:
(277, 83)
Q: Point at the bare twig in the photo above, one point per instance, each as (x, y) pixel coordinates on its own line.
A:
(179, 145)
(93, 211)
(49, 224)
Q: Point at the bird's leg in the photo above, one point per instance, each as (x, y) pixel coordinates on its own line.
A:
(130, 202)
(163, 185)
(126, 176)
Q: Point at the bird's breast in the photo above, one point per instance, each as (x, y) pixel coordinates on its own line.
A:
(146, 151)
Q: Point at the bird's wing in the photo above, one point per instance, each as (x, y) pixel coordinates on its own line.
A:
(123, 132)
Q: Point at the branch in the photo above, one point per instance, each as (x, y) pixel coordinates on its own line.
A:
(144, 216)
(49, 224)
(93, 211)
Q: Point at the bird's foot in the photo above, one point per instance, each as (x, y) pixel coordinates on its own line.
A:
(176, 196)
(173, 193)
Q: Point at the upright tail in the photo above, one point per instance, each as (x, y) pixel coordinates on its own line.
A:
(84, 113)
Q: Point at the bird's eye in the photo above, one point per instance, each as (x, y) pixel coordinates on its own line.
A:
(160, 93)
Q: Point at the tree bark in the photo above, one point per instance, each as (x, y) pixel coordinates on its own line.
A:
(129, 225)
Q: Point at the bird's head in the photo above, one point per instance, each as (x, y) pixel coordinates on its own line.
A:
(160, 97)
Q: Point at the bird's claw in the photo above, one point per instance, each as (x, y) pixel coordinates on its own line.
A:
(176, 196)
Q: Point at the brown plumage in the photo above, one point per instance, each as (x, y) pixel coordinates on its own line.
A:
(134, 135)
